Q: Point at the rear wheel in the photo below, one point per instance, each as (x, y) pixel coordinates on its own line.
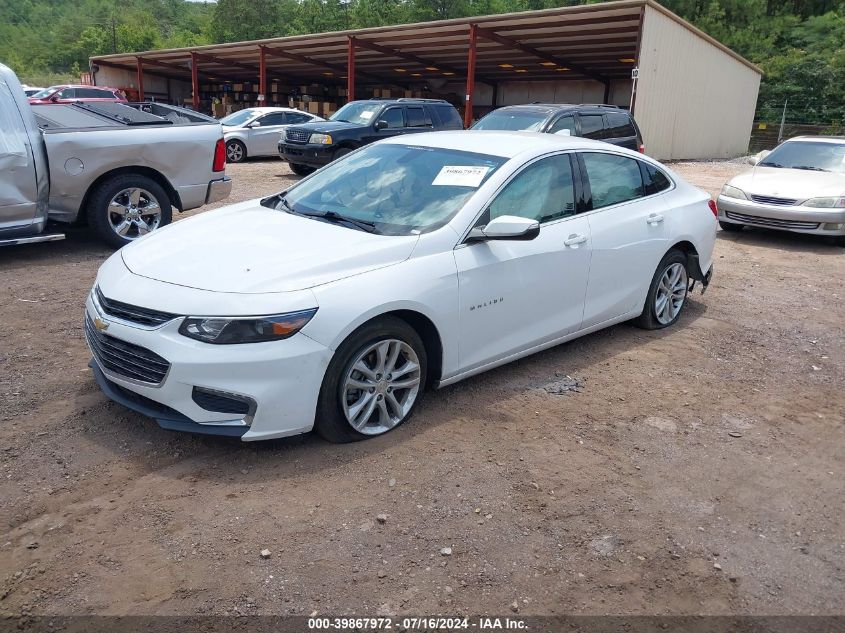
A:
(128, 206)
(300, 170)
(667, 293)
(730, 227)
(373, 383)
(235, 152)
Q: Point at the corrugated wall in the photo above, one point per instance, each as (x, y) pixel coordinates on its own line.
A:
(694, 100)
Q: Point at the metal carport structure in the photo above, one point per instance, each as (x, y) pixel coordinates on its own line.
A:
(498, 59)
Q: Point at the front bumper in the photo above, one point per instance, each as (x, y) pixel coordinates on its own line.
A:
(797, 219)
(282, 378)
(306, 154)
(218, 190)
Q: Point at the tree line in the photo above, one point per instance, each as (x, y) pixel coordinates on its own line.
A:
(800, 44)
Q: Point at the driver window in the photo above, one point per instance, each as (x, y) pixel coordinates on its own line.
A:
(543, 191)
(394, 118)
(564, 123)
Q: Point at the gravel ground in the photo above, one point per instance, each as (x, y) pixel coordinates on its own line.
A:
(695, 470)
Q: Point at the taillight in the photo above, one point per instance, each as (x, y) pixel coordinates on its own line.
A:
(712, 204)
(219, 156)
(641, 148)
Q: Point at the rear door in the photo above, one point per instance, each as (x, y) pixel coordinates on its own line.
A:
(18, 184)
(264, 134)
(591, 125)
(620, 130)
(629, 227)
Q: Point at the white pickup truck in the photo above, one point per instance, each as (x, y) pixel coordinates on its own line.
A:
(119, 168)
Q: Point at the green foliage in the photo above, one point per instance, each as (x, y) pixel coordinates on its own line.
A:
(798, 43)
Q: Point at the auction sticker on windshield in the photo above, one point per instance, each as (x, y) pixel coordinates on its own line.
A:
(460, 176)
(367, 115)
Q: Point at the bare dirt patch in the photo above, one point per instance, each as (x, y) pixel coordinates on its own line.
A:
(718, 441)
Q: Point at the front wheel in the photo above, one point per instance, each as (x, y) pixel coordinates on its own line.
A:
(373, 383)
(730, 227)
(667, 293)
(300, 170)
(128, 206)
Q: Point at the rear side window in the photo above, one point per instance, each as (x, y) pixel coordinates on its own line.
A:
(417, 117)
(592, 126)
(295, 117)
(449, 117)
(654, 180)
(619, 125)
(613, 179)
(564, 123)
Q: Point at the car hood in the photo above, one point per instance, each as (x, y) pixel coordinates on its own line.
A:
(799, 184)
(326, 127)
(247, 248)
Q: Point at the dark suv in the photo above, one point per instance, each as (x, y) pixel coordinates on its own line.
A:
(312, 145)
(610, 124)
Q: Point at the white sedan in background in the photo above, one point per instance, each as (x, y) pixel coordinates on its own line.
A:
(410, 263)
(255, 131)
(798, 187)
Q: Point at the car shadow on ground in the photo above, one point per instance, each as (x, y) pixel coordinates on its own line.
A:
(220, 459)
(784, 241)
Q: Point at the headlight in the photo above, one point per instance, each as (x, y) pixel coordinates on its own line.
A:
(733, 192)
(231, 331)
(320, 139)
(826, 203)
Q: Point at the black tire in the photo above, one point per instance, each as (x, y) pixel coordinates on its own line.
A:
(648, 318)
(331, 422)
(730, 227)
(341, 152)
(301, 170)
(235, 151)
(98, 205)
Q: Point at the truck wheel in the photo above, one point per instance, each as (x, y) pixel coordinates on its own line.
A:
(235, 152)
(126, 207)
(300, 170)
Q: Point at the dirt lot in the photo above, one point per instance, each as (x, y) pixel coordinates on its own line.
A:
(699, 470)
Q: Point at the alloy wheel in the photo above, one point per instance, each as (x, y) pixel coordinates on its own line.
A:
(671, 293)
(133, 213)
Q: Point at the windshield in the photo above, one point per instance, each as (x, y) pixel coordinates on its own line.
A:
(239, 117)
(45, 92)
(401, 189)
(358, 112)
(513, 120)
(809, 155)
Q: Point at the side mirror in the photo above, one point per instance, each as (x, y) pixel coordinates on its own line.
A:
(381, 125)
(506, 227)
(759, 157)
(563, 132)
(55, 97)
(254, 124)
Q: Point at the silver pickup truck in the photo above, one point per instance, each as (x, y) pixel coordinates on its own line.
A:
(119, 168)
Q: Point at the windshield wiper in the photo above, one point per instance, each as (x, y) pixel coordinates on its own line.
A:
(765, 164)
(334, 216)
(809, 168)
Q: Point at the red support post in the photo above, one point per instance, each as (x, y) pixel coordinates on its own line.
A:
(262, 75)
(350, 70)
(140, 78)
(195, 82)
(473, 39)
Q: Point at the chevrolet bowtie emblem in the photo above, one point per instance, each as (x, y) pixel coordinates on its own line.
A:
(101, 325)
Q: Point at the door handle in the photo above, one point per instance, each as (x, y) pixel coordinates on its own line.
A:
(654, 218)
(575, 239)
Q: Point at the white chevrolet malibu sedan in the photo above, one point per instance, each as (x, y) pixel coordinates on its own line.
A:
(412, 263)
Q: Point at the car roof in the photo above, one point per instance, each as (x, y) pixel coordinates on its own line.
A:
(817, 139)
(266, 109)
(82, 86)
(557, 107)
(500, 143)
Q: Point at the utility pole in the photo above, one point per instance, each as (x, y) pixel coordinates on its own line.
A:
(782, 121)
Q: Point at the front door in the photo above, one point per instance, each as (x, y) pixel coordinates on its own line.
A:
(514, 295)
(630, 235)
(18, 184)
(394, 121)
(264, 134)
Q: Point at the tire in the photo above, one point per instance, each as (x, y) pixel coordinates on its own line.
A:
(341, 152)
(338, 398)
(109, 220)
(301, 170)
(730, 227)
(652, 317)
(235, 152)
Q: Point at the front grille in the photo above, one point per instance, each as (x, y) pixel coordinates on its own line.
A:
(783, 202)
(124, 358)
(214, 401)
(297, 136)
(772, 222)
(134, 314)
